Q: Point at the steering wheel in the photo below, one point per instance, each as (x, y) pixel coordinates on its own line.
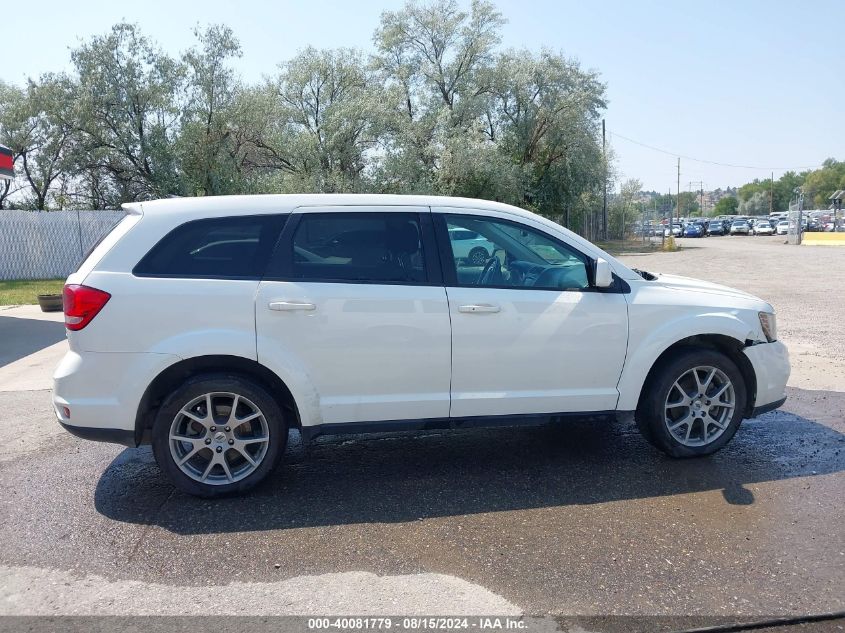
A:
(491, 275)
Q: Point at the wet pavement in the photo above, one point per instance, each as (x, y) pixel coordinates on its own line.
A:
(578, 519)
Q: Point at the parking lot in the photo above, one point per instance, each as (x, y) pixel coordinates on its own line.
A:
(578, 519)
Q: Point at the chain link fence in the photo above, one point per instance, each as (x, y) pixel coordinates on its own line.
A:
(49, 245)
(795, 231)
(647, 226)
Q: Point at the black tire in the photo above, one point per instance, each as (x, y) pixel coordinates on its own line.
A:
(651, 413)
(478, 256)
(249, 392)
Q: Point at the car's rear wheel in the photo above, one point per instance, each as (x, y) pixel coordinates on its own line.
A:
(693, 403)
(217, 435)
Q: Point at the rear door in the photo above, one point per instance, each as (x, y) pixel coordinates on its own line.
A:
(353, 303)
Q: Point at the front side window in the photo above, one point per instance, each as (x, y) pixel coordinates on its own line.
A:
(363, 247)
(509, 255)
(236, 247)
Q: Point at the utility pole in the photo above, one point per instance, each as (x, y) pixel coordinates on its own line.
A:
(771, 194)
(604, 201)
(624, 208)
(679, 190)
(642, 222)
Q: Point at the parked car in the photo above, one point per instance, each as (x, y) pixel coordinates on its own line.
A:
(675, 230)
(715, 227)
(763, 228)
(694, 230)
(198, 326)
(814, 225)
(470, 246)
(740, 227)
(783, 227)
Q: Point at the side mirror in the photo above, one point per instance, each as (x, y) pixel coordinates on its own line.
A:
(604, 276)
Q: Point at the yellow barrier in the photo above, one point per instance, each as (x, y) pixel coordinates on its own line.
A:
(823, 239)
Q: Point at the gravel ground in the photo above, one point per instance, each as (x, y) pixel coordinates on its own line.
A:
(582, 519)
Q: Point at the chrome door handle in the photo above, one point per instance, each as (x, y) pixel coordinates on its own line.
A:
(475, 308)
(290, 306)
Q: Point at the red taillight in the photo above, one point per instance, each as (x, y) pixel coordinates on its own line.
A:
(82, 304)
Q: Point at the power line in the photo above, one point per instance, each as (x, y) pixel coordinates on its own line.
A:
(708, 162)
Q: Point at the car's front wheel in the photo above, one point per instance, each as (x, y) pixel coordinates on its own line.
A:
(693, 403)
(218, 434)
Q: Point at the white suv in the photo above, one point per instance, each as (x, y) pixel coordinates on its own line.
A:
(470, 246)
(210, 326)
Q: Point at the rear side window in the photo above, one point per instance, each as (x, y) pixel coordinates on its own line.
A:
(233, 247)
(365, 247)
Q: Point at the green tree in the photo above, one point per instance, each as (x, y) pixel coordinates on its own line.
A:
(34, 128)
(689, 204)
(622, 210)
(327, 118)
(13, 129)
(726, 206)
(436, 109)
(209, 156)
(757, 204)
(434, 62)
(543, 115)
(128, 113)
(820, 184)
(516, 127)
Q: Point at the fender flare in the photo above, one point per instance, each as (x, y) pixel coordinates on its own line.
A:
(641, 359)
(237, 346)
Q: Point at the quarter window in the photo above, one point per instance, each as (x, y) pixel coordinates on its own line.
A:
(365, 247)
(236, 247)
(508, 255)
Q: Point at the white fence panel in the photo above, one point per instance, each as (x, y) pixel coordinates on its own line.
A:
(46, 245)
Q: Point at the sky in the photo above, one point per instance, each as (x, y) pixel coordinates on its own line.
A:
(748, 83)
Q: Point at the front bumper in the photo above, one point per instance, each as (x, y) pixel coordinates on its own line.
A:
(777, 404)
(771, 366)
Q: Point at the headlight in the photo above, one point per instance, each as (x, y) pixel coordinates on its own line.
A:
(770, 328)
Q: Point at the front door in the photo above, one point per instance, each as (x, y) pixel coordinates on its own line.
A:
(529, 334)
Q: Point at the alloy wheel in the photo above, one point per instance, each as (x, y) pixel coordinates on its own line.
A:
(219, 438)
(699, 406)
